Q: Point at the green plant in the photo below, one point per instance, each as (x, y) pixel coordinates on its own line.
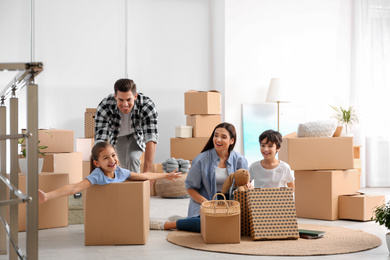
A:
(347, 117)
(382, 215)
(22, 143)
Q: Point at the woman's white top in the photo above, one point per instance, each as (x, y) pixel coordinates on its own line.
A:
(221, 175)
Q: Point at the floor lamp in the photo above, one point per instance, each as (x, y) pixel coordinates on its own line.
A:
(276, 94)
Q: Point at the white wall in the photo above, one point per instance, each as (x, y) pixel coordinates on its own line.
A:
(234, 46)
(305, 43)
(82, 45)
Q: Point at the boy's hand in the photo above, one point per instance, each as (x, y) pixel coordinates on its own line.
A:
(41, 196)
(173, 175)
(249, 185)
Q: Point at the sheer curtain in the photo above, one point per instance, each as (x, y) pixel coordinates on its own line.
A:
(370, 88)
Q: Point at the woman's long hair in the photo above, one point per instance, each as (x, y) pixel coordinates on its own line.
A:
(232, 132)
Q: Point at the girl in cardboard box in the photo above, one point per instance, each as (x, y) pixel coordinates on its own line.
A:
(207, 174)
(107, 171)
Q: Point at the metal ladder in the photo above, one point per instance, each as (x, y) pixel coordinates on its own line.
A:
(10, 195)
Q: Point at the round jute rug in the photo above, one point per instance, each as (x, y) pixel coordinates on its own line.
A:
(337, 240)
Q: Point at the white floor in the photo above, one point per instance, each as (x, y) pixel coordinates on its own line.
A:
(68, 243)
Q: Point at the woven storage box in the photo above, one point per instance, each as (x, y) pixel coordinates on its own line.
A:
(220, 221)
(272, 214)
(89, 123)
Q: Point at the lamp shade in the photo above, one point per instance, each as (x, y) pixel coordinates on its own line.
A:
(275, 92)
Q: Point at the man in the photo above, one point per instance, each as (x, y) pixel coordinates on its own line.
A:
(129, 121)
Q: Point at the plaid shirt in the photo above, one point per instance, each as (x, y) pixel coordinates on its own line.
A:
(143, 119)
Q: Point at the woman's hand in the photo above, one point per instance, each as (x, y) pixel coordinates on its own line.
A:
(173, 175)
(41, 196)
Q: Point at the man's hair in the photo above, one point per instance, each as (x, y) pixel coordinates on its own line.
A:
(272, 136)
(125, 85)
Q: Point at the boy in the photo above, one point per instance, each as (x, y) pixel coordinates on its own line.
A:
(271, 172)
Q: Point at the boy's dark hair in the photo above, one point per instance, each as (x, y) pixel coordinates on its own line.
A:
(272, 136)
(125, 85)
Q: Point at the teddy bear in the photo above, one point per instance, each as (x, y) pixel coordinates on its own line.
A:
(241, 178)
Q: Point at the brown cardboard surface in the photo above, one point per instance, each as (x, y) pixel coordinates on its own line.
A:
(202, 102)
(187, 148)
(64, 163)
(53, 213)
(359, 206)
(317, 192)
(84, 146)
(86, 169)
(317, 153)
(89, 122)
(117, 213)
(220, 230)
(56, 140)
(203, 124)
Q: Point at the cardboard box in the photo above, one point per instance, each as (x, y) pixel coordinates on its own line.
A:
(86, 169)
(64, 163)
(89, 122)
(183, 132)
(187, 148)
(356, 151)
(317, 153)
(202, 102)
(359, 206)
(357, 164)
(84, 146)
(56, 140)
(220, 230)
(317, 192)
(53, 213)
(117, 213)
(203, 124)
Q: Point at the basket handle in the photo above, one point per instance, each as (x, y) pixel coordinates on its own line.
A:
(224, 200)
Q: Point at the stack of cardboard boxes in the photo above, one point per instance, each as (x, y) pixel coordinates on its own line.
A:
(203, 110)
(61, 165)
(324, 171)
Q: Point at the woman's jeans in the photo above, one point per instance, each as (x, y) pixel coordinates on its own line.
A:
(189, 224)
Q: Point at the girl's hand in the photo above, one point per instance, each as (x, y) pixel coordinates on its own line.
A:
(41, 196)
(173, 175)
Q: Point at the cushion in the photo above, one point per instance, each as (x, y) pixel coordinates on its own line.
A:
(323, 128)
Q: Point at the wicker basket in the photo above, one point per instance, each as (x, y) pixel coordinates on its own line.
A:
(220, 208)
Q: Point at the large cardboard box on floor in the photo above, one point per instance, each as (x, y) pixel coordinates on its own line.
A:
(187, 148)
(359, 206)
(53, 213)
(317, 192)
(117, 213)
(203, 124)
(317, 153)
(64, 162)
(220, 230)
(202, 102)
